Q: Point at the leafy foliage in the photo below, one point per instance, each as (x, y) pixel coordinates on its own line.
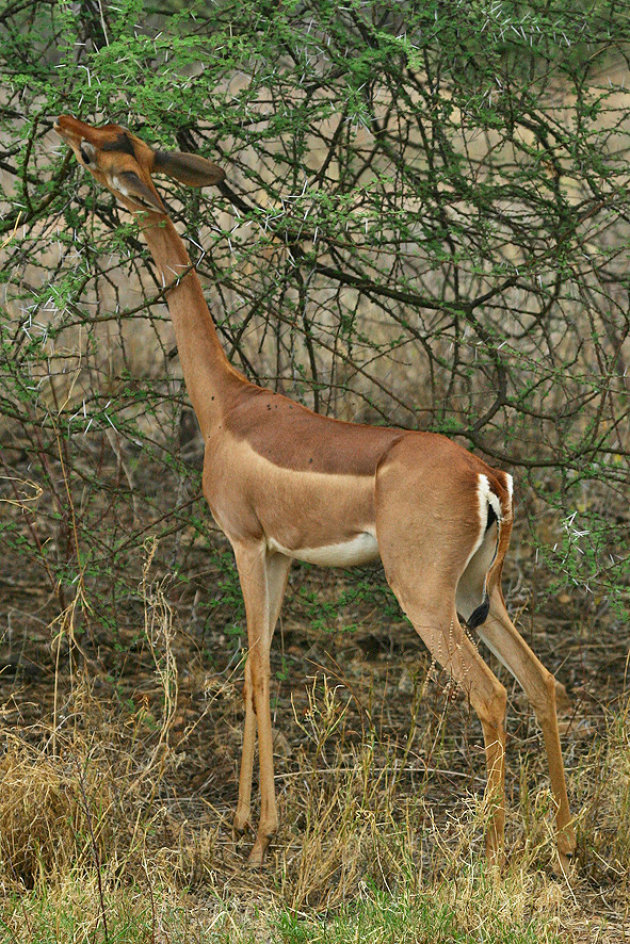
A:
(425, 224)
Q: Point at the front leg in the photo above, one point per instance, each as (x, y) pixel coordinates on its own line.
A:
(263, 578)
(243, 808)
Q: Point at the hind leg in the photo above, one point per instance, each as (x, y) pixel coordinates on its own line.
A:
(443, 635)
(429, 602)
(425, 548)
(503, 639)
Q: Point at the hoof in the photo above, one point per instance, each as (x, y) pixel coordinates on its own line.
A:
(563, 864)
(256, 856)
(495, 864)
(240, 825)
(567, 841)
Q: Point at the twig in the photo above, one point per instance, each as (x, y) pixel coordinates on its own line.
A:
(97, 858)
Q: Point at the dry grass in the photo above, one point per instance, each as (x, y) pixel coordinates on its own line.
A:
(118, 779)
(118, 783)
(104, 836)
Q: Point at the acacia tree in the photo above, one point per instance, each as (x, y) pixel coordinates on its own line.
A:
(425, 223)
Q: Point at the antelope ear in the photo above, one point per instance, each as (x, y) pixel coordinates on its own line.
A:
(129, 184)
(190, 169)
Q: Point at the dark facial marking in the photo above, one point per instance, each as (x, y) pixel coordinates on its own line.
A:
(121, 143)
(137, 186)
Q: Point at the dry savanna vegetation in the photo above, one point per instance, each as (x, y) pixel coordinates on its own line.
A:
(425, 223)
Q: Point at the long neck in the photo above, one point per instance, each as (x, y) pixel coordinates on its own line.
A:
(209, 376)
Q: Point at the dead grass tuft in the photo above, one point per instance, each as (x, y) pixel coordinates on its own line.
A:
(96, 831)
(603, 796)
(55, 814)
(90, 791)
(381, 826)
(88, 807)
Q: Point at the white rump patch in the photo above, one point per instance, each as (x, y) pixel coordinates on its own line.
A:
(471, 588)
(359, 550)
(509, 484)
(486, 497)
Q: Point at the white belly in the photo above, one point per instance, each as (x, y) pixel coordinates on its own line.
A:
(359, 550)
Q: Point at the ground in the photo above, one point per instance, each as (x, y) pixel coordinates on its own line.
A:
(121, 761)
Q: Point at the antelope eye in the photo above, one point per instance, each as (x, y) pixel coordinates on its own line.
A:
(85, 155)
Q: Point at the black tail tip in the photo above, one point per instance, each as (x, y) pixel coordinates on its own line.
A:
(478, 616)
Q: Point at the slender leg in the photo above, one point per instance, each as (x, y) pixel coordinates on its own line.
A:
(447, 642)
(243, 808)
(424, 555)
(263, 581)
(502, 638)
